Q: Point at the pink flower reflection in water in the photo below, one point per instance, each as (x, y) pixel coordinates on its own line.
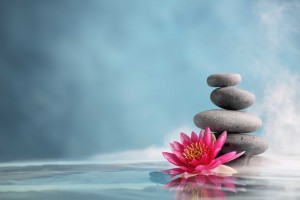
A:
(202, 187)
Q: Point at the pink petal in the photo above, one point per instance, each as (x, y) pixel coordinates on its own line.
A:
(185, 140)
(213, 165)
(187, 169)
(229, 157)
(201, 134)
(226, 157)
(172, 158)
(194, 137)
(195, 163)
(179, 155)
(199, 168)
(236, 156)
(177, 146)
(174, 171)
(221, 140)
(210, 156)
(215, 153)
(203, 160)
(207, 137)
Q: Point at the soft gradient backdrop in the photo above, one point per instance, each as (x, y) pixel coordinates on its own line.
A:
(80, 78)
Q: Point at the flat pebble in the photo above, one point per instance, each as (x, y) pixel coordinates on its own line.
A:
(223, 80)
(232, 98)
(251, 144)
(227, 120)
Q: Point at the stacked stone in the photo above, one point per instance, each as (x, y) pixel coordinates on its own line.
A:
(237, 123)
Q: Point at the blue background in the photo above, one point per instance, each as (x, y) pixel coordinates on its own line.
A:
(79, 78)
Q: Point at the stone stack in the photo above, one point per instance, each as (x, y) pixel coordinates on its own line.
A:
(237, 123)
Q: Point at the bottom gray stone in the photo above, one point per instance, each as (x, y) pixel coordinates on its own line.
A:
(251, 144)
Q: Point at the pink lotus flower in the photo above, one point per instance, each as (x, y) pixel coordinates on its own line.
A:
(196, 154)
(202, 187)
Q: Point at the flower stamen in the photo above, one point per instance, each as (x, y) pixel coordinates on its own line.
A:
(195, 151)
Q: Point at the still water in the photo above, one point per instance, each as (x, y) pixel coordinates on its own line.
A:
(259, 178)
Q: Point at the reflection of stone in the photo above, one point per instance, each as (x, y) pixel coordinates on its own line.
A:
(202, 187)
(159, 177)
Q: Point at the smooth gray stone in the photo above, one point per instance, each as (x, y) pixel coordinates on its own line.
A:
(232, 98)
(223, 80)
(227, 120)
(251, 144)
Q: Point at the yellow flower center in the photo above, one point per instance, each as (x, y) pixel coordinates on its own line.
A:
(195, 151)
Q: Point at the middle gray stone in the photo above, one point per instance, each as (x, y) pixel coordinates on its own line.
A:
(227, 120)
(232, 98)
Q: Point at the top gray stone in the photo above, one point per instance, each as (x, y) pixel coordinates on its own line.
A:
(224, 80)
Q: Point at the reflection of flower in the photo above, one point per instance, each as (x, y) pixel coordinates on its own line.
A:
(196, 154)
(202, 187)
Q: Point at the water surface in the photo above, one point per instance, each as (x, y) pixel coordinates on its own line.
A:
(259, 178)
